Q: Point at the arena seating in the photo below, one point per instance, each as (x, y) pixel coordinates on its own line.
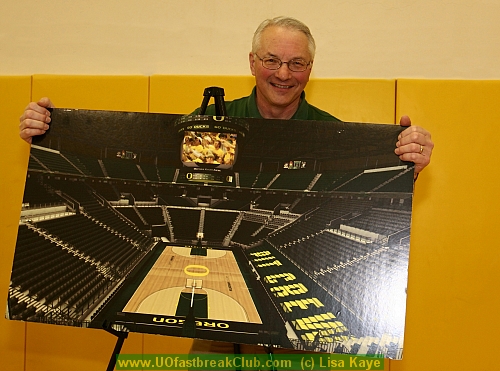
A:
(328, 180)
(263, 180)
(56, 277)
(138, 191)
(247, 179)
(151, 172)
(54, 161)
(382, 221)
(153, 215)
(122, 169)
(106, 189)
(75, 161)
(217, 225)
(366, 182)
(185, 223)
(341, 288)
(89, 164)
(317, 224)
(166, 174)
(293, 179)
(35, 194)
(132, 214)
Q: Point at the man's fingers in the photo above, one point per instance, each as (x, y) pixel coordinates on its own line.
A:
(36, 115)
(405, 121)
(28, 133)
(414, 134)
(36, 110)
(45, 102)
(414, 145)
(39, 124)
(35, 107)
(420, 160)
(35, 119)
(415, 149)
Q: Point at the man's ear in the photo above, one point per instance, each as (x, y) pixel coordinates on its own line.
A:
(251, 58)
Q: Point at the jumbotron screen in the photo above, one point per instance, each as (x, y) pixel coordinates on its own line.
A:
(201, 148)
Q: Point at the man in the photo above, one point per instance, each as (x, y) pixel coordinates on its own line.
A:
(281, 60)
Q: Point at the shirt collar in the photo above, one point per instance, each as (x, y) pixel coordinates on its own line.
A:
(300, 114)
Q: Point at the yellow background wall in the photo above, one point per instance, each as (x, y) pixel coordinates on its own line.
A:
(453, 294)
(14, 93)
(454, 275)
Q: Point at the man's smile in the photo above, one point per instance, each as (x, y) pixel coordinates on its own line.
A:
(281, 86)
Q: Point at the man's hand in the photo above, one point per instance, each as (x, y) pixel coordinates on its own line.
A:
(414, 144)
(35, 119)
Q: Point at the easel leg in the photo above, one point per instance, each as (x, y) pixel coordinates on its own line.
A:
(118, 346)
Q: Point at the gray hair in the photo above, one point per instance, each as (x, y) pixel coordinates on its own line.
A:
(286, 22)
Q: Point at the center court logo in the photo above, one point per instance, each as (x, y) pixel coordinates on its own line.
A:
(180, 321)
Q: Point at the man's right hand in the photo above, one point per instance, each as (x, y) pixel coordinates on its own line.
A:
(35, 119)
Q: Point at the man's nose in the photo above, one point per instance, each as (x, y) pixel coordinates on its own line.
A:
(283, 72)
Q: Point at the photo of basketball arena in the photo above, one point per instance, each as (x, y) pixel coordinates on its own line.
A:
(293, 234)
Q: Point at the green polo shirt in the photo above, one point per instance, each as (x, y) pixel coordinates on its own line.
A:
(247, 107)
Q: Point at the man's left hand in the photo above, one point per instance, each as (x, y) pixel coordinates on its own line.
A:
(414, 144)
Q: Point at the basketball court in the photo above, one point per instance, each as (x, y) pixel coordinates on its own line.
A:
(208, 281)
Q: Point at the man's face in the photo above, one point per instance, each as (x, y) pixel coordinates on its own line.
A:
(280, 89)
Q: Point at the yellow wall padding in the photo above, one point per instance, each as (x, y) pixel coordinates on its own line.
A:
(354, 100)
(348, 99)
(453, 295)
(15, 94)
(116, 93)
(183, 94)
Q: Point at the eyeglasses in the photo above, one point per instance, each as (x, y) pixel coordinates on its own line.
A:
(294, 65)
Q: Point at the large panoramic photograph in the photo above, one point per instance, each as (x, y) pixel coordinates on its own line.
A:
(292, 234)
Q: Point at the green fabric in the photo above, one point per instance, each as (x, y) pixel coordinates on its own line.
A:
(247, 107)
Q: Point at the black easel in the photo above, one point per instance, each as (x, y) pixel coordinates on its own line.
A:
(121, 335)
(218, 94)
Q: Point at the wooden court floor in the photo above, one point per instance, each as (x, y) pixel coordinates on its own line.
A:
(216, 275)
